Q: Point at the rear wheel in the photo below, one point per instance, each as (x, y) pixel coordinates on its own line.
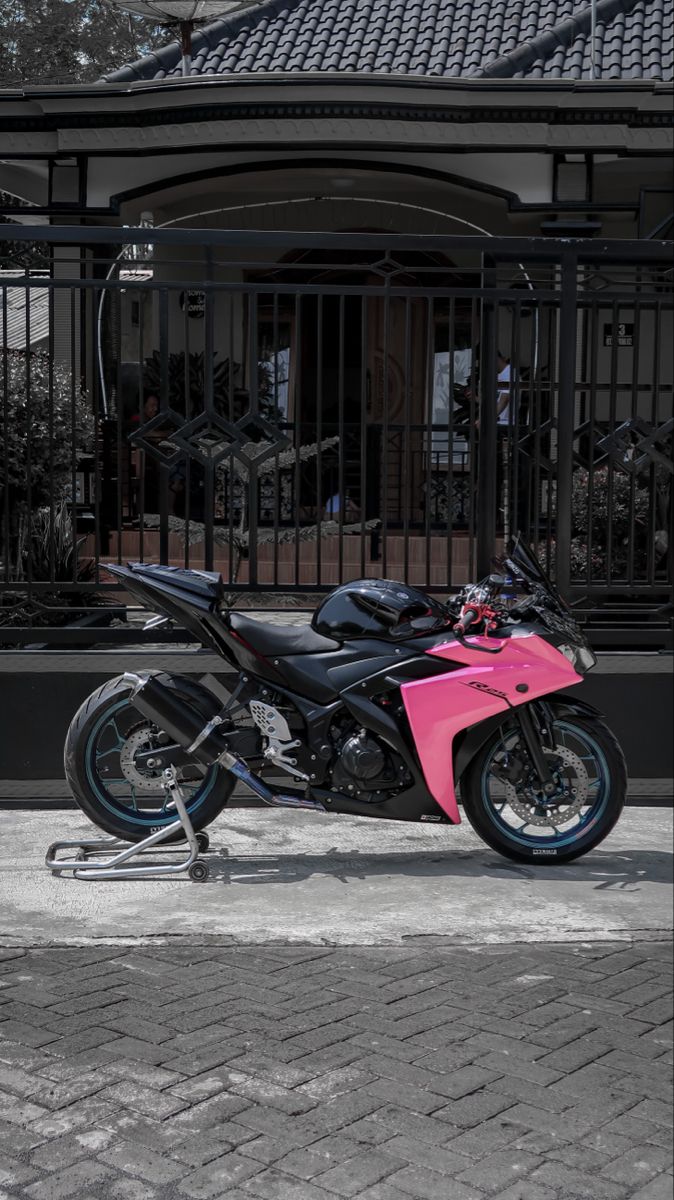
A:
(506, 807)
(120, 797)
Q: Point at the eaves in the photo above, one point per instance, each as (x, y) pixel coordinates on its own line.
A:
(311, 94)
(316, 112)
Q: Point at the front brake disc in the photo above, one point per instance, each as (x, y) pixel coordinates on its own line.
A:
(556, 811)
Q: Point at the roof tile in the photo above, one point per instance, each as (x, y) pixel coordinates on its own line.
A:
(523, 39)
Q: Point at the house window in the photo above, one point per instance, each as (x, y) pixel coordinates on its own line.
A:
(274, 372)
(452, 371)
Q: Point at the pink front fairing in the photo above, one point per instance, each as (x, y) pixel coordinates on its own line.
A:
(439, 708)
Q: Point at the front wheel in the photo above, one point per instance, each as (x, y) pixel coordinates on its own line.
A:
(505, 806)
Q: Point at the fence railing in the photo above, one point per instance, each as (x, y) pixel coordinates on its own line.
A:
(296, 410)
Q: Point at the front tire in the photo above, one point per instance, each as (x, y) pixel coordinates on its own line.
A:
(98, 759)
(511, 819)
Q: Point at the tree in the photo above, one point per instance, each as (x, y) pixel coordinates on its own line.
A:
(109, 37)
(68, 41)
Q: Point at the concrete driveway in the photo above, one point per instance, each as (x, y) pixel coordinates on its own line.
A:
(302, 877)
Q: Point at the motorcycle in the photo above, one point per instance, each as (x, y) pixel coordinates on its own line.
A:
(383, 706)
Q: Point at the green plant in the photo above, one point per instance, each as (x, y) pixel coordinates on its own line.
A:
(43, 424)
(49, 551)
(53, 549)
(608, 505)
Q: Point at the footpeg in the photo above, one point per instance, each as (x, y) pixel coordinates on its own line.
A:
(274, 727)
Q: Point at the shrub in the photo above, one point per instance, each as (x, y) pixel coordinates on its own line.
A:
(43, 423)
(619, 508)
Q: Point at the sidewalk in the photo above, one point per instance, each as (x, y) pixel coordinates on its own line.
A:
(347, 1009)
(307, 877)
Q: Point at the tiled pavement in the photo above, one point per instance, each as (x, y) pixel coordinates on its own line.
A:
(423, 1072)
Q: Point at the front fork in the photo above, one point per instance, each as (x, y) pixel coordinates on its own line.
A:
(534, 744)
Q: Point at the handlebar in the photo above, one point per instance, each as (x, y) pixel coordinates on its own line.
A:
(468, 617)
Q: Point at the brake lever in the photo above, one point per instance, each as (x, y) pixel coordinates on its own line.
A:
(461, 638)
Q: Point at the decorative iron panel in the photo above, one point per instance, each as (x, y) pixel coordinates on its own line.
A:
(343, 405)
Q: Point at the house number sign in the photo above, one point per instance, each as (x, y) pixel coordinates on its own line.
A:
(193, 303)
(624, 335)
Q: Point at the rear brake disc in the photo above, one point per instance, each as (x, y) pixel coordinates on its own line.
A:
(139, 739)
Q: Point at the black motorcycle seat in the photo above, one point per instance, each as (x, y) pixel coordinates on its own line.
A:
(279, 640)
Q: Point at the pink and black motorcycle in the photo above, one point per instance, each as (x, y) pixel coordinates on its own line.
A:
(383, 706)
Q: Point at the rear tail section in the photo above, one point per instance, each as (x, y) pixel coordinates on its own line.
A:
(187, 597)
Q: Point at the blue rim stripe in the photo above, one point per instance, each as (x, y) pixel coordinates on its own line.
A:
(121, 810)
(591, 817)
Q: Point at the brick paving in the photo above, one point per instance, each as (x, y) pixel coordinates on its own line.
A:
(314, 1073)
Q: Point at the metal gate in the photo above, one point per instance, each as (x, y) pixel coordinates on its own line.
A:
(296, 410)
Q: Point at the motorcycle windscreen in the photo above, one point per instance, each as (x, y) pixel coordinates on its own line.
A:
(521, 561)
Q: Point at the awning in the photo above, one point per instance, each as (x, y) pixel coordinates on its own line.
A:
(24, 313)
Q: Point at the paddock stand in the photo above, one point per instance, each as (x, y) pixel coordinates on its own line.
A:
(119, 853)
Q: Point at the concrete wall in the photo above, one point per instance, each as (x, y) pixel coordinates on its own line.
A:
(40, 692)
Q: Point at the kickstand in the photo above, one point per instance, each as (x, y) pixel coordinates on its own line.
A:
(119, 853)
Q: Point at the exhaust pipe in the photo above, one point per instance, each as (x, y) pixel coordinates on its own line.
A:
(164, 708)
(202, 742)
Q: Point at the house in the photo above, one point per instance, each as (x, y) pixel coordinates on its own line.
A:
(351, 209)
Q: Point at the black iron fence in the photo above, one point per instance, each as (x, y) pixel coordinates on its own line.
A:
(296, 410)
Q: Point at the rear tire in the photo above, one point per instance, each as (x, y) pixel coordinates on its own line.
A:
(110, 705)
(606, 797)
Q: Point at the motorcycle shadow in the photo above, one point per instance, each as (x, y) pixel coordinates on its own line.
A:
(603, 870)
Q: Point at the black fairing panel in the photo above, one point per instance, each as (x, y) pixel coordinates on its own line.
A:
(324, 677)
(384, 660)
(415, 804)
(321, 677)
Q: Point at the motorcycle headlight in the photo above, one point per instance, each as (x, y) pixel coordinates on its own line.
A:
(581, 658)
